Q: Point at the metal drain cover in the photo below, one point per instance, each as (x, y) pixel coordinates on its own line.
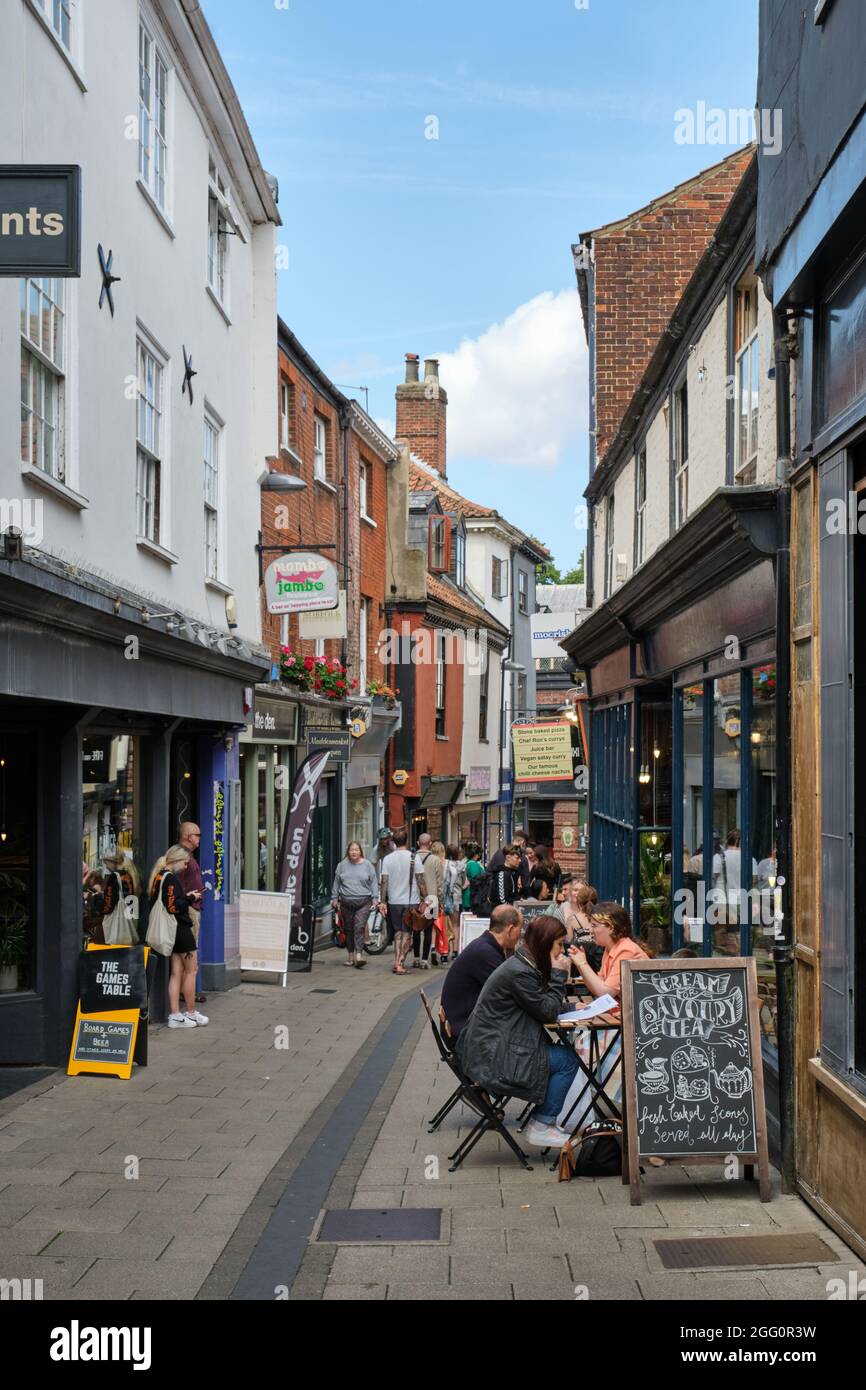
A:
(396, 1225)
(321, 991)
(714, 1252)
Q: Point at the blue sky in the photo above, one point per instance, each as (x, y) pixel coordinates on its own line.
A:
(552, 119)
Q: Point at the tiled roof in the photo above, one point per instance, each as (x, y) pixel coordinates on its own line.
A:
(441, 591)
(423, 480)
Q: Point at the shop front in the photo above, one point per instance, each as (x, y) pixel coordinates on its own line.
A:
(683, 744)
(80, 779)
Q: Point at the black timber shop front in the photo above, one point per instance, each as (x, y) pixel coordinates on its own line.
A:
(115, 725)
(680, 665)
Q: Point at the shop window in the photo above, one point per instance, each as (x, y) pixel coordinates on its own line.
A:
(691, 909)
(111, 820)
(747, 377)
(724, 896)
(654, 800)
(360, 814)
(761, 753)
(843, 356)
(324, 851)
(17, 838)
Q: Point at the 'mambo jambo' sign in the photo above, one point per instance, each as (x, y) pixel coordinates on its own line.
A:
(40, 219)
(301, 583)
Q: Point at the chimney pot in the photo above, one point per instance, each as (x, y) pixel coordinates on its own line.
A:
(411, 366)
(431, 368)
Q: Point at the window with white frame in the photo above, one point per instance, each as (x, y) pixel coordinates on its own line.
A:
(60, 17)
(440, 683)
(43, 380)
(287, 413)
(484, 692)
(640, 509)
(747, 377)
(211, 451)
(363, 637)
(438, 543)
(320, 448)
(319, 649)
(152, 116)
(522, 591)
(149, 443)
(681, 455)
(460, 558)
(217, 231)
(609, 560)
(365, 488)
(521, 693)
(499, 578)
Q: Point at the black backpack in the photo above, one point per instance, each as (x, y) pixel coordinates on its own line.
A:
(479, 894)
(600, 1152)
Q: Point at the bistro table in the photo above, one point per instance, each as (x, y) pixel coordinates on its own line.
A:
(604, 1034)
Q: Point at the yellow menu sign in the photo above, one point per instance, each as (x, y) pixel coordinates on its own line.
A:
(542, 752)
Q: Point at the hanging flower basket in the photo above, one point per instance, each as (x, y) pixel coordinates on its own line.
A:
(319, 675)
(382, 694)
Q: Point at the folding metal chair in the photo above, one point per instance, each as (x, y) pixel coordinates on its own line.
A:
(490, 1112)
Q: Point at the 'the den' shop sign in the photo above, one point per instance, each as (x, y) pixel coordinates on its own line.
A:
(301, 583)
(40, 219)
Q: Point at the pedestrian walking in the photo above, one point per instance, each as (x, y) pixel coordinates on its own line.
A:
(474, 867)
(497, 861)
(165, 884)
(433, 875)
(455, 882)
(355, 891)
(505, 881)
(400, 888)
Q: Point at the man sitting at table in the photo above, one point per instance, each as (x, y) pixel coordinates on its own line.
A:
(476, 963)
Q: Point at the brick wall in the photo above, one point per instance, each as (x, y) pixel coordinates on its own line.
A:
(422, 408)
(571, 860)
(642, 265)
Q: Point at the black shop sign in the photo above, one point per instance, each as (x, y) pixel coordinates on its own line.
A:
(112, 980)
(337, 741)
(40, 219)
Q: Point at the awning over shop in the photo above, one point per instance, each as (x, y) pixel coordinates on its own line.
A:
(439, 791)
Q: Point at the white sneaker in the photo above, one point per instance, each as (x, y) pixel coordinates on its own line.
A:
(180, 1021)
(200, 1020)
(546, 1136)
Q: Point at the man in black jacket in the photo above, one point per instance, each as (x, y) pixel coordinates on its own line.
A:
(497, 862)
(476, 963)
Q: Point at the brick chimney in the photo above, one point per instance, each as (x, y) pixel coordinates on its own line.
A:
(421, 410)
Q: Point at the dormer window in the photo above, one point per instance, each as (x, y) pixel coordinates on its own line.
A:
(438, 544)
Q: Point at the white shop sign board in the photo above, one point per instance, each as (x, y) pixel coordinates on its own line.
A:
(471, 927)
(265, 920)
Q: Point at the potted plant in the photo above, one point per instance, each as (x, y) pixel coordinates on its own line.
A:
(318, 674)
(382, 694)
(13, 931)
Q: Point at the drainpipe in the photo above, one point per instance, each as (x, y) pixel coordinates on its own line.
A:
(344, 432)
(783, 956)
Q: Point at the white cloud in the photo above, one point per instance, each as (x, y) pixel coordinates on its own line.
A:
(517, 395)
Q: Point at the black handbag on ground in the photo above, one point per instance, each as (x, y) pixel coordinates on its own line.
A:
(598, 1154)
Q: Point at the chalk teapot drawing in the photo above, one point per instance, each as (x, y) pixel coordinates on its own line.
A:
(734, 1082)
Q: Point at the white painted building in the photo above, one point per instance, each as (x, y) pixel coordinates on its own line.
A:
(129, 624)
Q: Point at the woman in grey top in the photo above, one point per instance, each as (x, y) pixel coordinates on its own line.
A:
(355, 890)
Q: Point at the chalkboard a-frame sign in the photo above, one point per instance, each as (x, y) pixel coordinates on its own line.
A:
(692, 1072)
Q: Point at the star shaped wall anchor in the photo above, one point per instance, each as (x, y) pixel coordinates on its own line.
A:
(188, 374)
(107, 278)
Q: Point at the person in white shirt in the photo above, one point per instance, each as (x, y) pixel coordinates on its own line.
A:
(400, 887)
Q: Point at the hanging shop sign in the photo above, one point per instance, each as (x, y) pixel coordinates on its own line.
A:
(548, 630)
(546, 758)
(265, 927)
(301, 583)
(40, 219)
(399, 777)
(112, 983)
(339, 741)
(479, 782)
(358, 728)
(293, 853)
(328, 623)
(693, 1074)
(95, 759)
(274, 721)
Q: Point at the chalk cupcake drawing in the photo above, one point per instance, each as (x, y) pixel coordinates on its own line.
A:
(691, 1073)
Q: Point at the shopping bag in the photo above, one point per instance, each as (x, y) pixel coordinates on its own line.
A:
(440, 935)
(161, 928)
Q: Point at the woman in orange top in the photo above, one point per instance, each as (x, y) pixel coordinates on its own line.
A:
(611, 929)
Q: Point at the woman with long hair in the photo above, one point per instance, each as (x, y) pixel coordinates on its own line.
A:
(504, 1047)
(455, 881)
(165, 883)
(355, 890)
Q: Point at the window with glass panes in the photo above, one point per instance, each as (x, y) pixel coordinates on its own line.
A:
(149, 444)
(320, 448)
(43, 363)
(61, 20)
(217, 231)
(747, 377)
(484, 693)
(522, 591)
(363, 638)
(440, 684)
(365, 485)
(640, 509)
(152, 123)
(460, 558)
(437, 546)
(681, 455)
(608, 548)
(211, 452)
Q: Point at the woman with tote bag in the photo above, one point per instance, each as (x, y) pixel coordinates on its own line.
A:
(120, 882)
(169, 931)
